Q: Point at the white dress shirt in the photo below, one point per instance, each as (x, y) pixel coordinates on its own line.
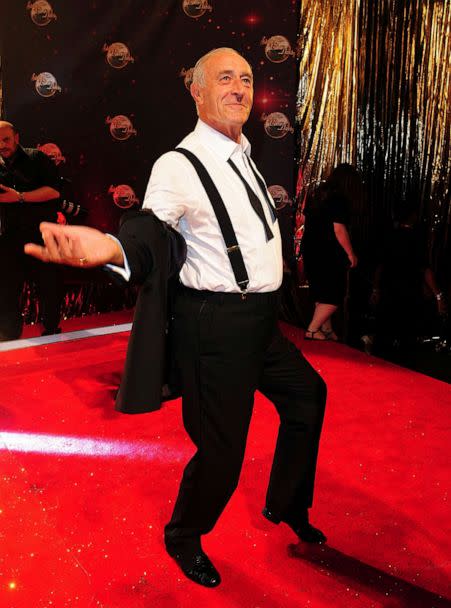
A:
(176, 195)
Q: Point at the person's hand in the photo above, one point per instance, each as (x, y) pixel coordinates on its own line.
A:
(8, 195)
(352, 259)
(75, 246)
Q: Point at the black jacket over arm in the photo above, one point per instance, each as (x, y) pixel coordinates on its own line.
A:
(155, 253)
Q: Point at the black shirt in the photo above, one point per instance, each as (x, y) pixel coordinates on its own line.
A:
(321, 214)
(28, 170)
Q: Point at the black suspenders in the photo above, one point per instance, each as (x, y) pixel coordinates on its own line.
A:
(228, 233)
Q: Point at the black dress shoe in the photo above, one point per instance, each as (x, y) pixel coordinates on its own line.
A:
(308, 533)
(197, 567)
(301, 527)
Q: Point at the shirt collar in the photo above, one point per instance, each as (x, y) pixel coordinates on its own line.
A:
(220, 144)
(19, 154)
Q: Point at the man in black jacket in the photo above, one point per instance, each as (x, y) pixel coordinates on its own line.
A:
(226, 341)
(29, 189)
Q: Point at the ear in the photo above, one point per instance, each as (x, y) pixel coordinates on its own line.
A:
(196, 93)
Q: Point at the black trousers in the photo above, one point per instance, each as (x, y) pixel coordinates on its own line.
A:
(226, 348)
(16, 268)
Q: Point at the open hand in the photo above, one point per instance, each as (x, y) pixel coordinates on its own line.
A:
(75, 246)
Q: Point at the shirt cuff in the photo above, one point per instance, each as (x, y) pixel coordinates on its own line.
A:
(125, 271)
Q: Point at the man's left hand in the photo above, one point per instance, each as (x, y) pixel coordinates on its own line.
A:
(8, 195)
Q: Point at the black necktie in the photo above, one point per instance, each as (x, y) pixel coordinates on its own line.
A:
(255, 202)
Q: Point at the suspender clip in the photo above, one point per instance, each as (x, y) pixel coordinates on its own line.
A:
(243, 286)
(233, 248)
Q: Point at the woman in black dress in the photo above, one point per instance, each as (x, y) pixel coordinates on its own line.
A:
(326, 246)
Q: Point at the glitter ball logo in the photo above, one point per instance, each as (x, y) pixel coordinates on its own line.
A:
(123, 196)
(118, 55)
(277, 125)
(121, 127)
(187, 76)
(53, 152)
(196, 8)
(41, 12)
(280, 196)
(46, 84)
(277, 48)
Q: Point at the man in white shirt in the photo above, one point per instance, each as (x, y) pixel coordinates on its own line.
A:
(226, 341)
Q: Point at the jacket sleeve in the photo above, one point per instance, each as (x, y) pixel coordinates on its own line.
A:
(137, 234)
(140, 233)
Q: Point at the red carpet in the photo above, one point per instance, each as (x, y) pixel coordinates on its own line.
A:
(103, 319)
(85, 492)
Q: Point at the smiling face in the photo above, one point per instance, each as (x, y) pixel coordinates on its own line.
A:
(9, 140)
(224, 100)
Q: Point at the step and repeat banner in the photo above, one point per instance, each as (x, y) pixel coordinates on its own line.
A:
(102, 88)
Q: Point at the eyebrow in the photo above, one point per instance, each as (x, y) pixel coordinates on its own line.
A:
(230, 72)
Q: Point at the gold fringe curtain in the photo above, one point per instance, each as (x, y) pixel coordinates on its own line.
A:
(374, 90)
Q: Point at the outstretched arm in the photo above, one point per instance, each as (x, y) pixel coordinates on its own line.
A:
(39, 195)
(75, 246)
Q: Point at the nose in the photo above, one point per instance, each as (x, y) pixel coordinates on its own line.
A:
(238, 89)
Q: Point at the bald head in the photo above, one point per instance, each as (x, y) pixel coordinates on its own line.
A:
(199, 68)
(9, 125)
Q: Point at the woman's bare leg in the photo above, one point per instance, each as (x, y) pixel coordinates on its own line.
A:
(321, 319)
